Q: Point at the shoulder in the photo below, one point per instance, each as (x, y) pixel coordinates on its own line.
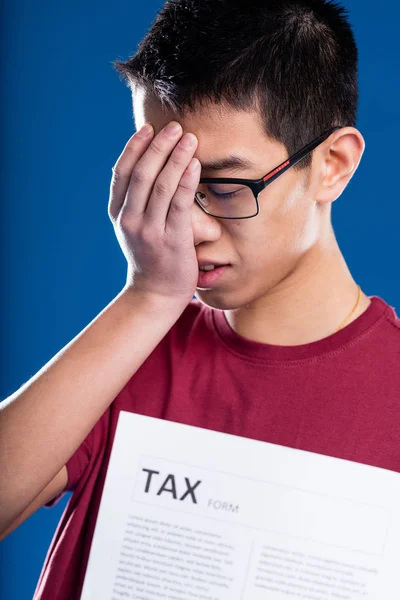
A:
(383, 339)
(390, 316)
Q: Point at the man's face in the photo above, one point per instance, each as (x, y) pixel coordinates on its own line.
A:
(264, 251)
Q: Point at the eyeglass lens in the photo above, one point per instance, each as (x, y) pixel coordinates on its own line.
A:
(227, 200)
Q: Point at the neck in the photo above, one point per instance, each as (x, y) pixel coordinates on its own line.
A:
(306, 306)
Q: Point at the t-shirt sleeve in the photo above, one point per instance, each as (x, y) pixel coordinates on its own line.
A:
(80, 461)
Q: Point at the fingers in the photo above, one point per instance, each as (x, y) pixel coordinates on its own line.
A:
(168, 181)
(152, 178)
(148, 167)
(122, 169)
(179, 217)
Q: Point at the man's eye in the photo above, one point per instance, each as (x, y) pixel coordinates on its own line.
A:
(224, 196)
(224, 192)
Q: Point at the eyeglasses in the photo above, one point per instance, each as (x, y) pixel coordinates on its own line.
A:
(231, 198)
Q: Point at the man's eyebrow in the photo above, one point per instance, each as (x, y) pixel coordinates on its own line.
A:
(232, 161)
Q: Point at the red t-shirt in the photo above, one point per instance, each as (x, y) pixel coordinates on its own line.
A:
(338, 396)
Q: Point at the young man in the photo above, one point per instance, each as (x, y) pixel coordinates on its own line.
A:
(281, 344)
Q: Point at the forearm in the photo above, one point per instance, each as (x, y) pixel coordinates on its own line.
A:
(45, 421)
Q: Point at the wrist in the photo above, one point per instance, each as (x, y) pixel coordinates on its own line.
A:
(153, 304)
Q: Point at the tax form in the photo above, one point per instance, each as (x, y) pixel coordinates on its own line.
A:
(193, 514)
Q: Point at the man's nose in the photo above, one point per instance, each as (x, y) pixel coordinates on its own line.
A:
(205, 227)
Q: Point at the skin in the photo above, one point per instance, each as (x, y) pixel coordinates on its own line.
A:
(289, 283)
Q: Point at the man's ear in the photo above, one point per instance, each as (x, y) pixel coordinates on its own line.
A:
(337, 161)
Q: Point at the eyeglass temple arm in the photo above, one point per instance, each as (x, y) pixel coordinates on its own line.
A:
(290, 162)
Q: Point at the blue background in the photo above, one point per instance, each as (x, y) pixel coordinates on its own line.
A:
(66, 117)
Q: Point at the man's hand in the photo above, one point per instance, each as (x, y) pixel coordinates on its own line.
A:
(151, 196)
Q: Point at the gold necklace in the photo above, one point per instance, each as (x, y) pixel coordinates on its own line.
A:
(354, 309)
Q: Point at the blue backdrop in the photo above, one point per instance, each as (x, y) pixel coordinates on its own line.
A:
(66, 117)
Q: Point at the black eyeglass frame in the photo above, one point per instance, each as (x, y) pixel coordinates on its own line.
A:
(258, 185)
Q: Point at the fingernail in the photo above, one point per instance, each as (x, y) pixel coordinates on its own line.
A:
(193, 165)
(188, 140)
(145, 131)
(173, 128)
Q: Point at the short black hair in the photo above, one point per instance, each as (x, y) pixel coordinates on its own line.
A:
(295, 61)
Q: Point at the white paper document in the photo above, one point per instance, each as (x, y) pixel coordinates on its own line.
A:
(193, 514)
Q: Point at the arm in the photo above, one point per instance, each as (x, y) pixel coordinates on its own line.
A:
(46, 420)
(53, 489)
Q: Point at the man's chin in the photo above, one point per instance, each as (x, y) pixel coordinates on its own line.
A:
(219, 300)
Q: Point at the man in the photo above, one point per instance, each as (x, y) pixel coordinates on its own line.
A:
(246, 114)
